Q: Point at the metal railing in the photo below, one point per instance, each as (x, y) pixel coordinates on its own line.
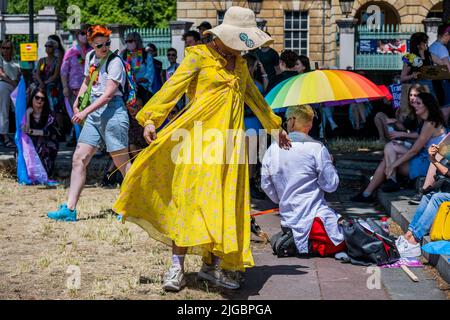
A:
(160, 37)
(382, 61)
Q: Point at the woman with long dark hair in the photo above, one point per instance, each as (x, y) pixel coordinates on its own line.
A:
(41, 127)
(411, 162)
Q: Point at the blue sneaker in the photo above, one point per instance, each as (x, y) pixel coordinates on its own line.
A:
(63, 214)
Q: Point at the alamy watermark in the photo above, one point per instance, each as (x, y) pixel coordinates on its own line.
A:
(74, 280)
(74, 18)
(374, 280)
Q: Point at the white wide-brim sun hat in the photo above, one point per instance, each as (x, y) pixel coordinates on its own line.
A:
(238, 30)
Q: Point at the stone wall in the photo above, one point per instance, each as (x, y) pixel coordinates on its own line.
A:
(411, 12)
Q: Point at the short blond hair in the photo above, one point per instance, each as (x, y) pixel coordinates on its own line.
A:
(302, 113)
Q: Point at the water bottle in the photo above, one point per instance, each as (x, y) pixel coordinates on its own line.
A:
(407, 144)
(385, 224)
(390, 128)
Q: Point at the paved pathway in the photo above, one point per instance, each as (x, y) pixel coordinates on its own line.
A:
(326, 278)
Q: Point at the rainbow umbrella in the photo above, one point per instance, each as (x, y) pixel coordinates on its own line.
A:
(336, 87)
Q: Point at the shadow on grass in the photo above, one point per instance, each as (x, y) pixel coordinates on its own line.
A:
(102, 215)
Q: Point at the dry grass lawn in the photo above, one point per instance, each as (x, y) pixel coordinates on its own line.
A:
(116, 261)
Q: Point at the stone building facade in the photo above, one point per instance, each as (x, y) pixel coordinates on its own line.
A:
(310, 27)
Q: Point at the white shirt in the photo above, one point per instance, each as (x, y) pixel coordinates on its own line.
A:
(116, 72)
(297, 180)
(11, 68)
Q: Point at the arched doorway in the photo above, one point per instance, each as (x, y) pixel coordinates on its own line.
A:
(389, 15)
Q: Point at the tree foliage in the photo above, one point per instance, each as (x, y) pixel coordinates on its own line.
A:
(136, 13)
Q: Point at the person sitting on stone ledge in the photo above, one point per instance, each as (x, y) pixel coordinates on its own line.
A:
(406, 160)
(409, 244)
(297, 180)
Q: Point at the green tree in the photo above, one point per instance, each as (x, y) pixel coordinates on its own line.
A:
(137, 13)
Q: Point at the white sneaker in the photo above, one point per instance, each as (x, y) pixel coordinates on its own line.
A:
(409, 250)
(174, 279)
(399, 241)
(217, 277)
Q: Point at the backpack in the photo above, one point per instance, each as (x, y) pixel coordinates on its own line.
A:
(283, 243)
(367, 243)
(129, 91)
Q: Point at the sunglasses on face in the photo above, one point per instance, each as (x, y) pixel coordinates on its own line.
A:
(100, 45)
(129, 41)
(6, 48)
(39, 98)
(49, 46)
(171, 55)
(82, 33)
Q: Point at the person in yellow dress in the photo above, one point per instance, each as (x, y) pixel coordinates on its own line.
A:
(189, 188)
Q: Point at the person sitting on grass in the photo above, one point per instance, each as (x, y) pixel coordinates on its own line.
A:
(409, 244)
(413, 161)
(297, 180)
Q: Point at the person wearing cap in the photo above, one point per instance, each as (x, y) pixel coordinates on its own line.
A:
(105, 118)
(201, 205)
(204, 37)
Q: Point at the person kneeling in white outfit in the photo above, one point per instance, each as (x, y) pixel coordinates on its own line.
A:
(297, 180)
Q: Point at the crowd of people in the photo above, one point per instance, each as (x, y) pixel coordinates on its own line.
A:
(89, 80)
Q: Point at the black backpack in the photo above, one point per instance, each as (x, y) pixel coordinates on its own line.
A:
(283, 243)
(367, 243)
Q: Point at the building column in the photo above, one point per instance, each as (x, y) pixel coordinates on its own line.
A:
(431, 28)
(47, 22)
(2, 27)
(347, 42)
(177, 29)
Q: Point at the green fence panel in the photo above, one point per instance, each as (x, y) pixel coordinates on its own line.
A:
(160, 37)
(380, 61)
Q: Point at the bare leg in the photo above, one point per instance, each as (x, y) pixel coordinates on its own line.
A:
(429, 179)
(121, 160)
(81, 158)
(378, 178)
(133, 151)
(355, 114)
(392, 152)
(380, 123)
(362, 112)
(446, 113)
(179, 251)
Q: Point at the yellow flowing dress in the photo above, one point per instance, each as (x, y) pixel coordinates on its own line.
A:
(198, 204)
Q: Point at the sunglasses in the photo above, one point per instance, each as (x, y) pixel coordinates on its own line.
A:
(100, 45)
(39, 98)
(49, 46)
(171, 55)
(129, 41)
(6, 48)
(82, 33)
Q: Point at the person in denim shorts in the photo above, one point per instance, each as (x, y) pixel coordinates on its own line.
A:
(105, 119)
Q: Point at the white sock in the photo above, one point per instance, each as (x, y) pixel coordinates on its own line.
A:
(178, 260)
